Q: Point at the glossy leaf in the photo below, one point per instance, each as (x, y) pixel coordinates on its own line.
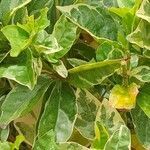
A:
(21, 100)
(87, 109)
(120, 139)
(121, 12)
(98, 22)
(36, 5)
(59, 113)
(76, 62)
(23, 69)
(65, 34)
(33, 26)
(90, 2)
(134, 60)
(108, 3)
(108, 122)
(144, 10)
(143, 99)
(109, 117)
(9, 7)
(23, 34)
(46, 44)
(19, 40)
(140, 36)
(142, 73)
(142, 125)
(108, 50)
(46, 141)
(127, 3)
(101, 137)
(42, 21)
(60, 69)
(93, 73)
(71, 146)
(146, 53)
(4, 134)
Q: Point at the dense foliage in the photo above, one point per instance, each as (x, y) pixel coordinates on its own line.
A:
(75, 74)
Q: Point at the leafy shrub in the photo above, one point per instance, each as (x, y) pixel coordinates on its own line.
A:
(74, 75)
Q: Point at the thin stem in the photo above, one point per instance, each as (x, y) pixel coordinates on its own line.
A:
(126, 66)
(125, 75)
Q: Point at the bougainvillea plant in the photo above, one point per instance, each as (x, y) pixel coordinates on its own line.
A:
(74, 74)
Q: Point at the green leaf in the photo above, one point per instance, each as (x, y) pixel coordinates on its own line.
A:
(65, 34)
(98, 22)
(66, 2)
(134, 60)
(71, 146)
(33, 26)
(87, 110)
(76, 62)
(109, 117)
(9, 7)
(143, 99)
(146, 53)
(108, 50)
(144, 10)
(101, 136)
(2, 98)
(60, 68)
(108, 122)
(142, 73)
(127, 3)
(120, 139)
(46, 44)
(140, 36)
(103, 50)
(21, 100)
(24, 69)
(106, 3)
(36, 5)
(89, 2)
(121, 12)
(42, 21)
(46, 141)
(19, 140)
(59, 113)
(23, 34)
(26, 124)
(4, 133)
(19, 40)
(90, 74)
(20, 15)
(142, 126)
(5, 146)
